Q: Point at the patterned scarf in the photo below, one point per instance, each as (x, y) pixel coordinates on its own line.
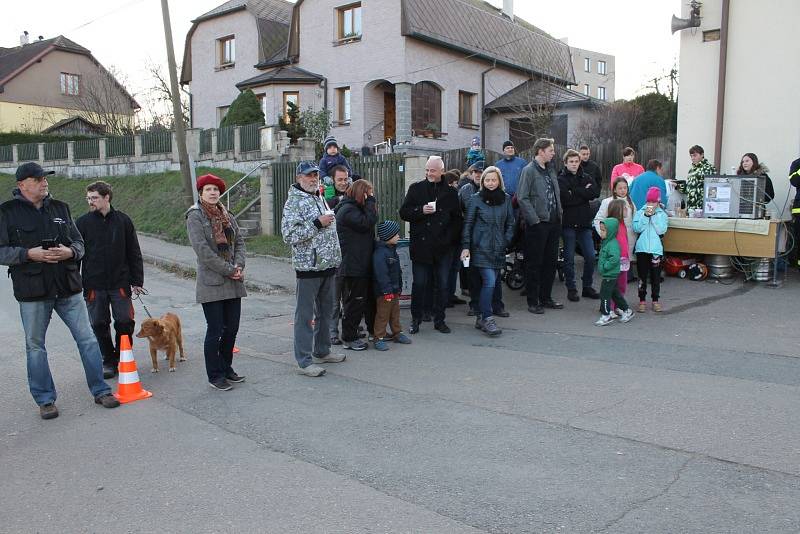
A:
(220, 227)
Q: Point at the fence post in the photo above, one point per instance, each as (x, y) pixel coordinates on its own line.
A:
(237, 142)
(70, 153)
(40, 153)
(308, 148)
(283, 142)
(414, 171)
(267, 201)
(214, 144)
(137, 145)
(267, 137)
(15, 154)
(101, 147)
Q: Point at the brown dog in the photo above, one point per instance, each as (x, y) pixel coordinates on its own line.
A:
(164, 334)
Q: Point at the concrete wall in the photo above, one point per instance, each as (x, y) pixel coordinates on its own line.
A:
(761, 111)
(593, 78)
(210, 87)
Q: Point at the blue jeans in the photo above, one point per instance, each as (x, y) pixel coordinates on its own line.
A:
(35, 320)
(428, 277)
(489, 287)
(476, 288)
(583, 238)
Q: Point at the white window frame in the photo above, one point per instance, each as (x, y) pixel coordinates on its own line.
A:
(601, 93)
(601, 67)
(586, 89)
(70, 84)
(587, 64)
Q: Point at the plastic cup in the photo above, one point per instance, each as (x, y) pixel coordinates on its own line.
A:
(465, 261)
(432, 205)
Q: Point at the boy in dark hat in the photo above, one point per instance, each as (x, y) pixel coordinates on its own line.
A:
(388, 284)
(331, 159)
(475, 153)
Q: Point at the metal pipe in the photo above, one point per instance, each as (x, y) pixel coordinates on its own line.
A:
(723, 67)
(240, 180)
(483, 102)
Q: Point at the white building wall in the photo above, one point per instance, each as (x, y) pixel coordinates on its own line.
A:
(310, 96)
(212, 88)
(761, 110)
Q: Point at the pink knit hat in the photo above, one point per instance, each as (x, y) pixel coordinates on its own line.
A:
(653, 195)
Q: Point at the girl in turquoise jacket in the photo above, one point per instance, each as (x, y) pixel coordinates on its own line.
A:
(651, 223)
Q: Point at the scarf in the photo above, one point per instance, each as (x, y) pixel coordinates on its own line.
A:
(494, 197)
(220, 227)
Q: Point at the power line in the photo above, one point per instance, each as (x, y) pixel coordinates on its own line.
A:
(120, 8)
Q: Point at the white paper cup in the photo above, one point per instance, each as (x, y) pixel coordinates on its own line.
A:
(432, 204)
(465, 261)
(329, 212)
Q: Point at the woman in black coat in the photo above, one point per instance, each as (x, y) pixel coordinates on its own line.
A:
(356, 217)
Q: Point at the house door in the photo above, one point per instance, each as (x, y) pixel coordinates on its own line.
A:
(389, 118)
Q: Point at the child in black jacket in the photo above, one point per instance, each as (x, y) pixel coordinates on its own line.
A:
(388, 284)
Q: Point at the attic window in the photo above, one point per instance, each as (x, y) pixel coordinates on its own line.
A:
(70, 84)
(348, 22)
(226, 51)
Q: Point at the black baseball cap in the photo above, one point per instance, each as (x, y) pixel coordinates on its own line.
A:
(31, 170)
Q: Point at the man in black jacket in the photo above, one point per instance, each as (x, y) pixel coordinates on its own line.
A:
(589, 167)
(41, 245)
(431, 206)
(112, 271)
(577, 190)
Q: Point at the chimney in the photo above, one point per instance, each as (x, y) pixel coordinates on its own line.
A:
(508, 9)
(23, 39)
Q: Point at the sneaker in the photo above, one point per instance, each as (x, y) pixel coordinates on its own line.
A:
(312, 370)
(657, 307)
(490, 327)
(537, 309)
(552, 304)
(381, 345)
(331, 358)
(335, 340)
(626, 316)
(615, 313)
(502, 313)
(604, 320)
(590, 293)
(233, 377)
(413, 328)
(48, 411)
(107, 400)
(109, 371)
(478, 323)
(642, 307)
(222, 384)
(402, 339)
(572, 295)
(443, 328)
(355, 345)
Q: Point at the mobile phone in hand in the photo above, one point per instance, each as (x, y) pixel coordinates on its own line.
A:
(49, 243)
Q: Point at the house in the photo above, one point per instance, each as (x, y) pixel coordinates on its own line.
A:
(75, 126)
(49, 80)
(737, 70)
(594, 73)
(415, 72)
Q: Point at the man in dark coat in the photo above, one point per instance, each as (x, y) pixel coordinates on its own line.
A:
(577, 190)
(41, 245)
(431, 206)
(112, 271)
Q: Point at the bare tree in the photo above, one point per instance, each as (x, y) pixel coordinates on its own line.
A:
(103, 100)
(158, 112)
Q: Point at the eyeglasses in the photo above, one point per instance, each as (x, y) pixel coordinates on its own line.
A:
(92, 199)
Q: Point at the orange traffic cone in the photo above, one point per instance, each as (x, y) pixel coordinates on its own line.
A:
(129, 387)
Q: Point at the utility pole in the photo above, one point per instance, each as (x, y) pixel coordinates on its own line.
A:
(180, 128)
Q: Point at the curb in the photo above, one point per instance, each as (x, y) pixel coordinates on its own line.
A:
(189, 271)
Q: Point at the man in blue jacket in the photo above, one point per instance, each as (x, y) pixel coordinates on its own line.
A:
(652, 177)
(511, 166)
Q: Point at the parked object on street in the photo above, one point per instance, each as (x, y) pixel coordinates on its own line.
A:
(129, 387)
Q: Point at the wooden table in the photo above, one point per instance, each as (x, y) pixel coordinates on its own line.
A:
(730, 237)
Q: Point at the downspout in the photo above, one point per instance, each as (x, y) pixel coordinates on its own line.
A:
(483, 101)
(723, 64)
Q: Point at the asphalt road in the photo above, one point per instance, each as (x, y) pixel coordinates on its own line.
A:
(687, 422)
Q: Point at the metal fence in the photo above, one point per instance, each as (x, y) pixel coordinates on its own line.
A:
(225, 138)
(206, 136)
(120, 146)
(87, 149)
(387, 174)
(249, 137)
(6, 153)
(53, 151)
(157, 143)
(28, 152)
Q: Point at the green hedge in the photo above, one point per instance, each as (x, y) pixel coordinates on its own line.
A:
(16, 138)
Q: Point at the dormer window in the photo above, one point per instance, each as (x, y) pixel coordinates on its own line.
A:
(348, 22)
(226, 51)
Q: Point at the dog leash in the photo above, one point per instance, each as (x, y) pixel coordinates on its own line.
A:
(139, 298)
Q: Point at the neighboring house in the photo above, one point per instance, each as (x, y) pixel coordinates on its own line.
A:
(759, 111)
(594, 74)
(46, 81)
(414, 71)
